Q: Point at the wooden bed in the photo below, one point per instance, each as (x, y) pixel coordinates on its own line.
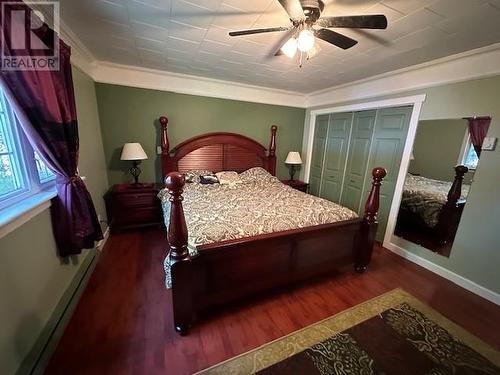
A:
(225, 271)
(449, 217)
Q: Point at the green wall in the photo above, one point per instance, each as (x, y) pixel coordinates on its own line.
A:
(437, 146)
(131, 115)
(33, 279)
(475, 254)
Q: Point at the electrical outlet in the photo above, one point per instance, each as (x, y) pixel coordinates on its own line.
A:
(489, 144)
(158, 150)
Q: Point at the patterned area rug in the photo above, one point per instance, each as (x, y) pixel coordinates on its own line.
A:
(391, 334)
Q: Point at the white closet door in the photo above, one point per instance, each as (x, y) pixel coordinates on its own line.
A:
(334, 163)
(357, 160)
(318, 153)
(391, 129)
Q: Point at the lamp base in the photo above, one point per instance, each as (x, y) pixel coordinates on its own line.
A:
(135, 171)
(292, 171)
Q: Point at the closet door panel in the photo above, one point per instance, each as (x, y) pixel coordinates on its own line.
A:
(320, 133)
(359, 151)
(391, 129)
(335, 156)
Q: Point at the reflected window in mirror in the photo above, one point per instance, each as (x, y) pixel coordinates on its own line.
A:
(468, 156)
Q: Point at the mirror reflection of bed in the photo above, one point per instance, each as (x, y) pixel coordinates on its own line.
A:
(442, 165)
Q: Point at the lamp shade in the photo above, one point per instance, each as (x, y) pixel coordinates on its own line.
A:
(133, 151)
(293, 158)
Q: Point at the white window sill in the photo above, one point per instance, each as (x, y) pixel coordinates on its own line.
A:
(18, 214)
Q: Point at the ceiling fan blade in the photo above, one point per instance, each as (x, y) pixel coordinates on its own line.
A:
(334, 38)
(257, 31)
(294, 9)
(376, 21)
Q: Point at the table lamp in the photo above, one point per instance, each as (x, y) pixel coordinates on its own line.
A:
(135, 153)
(293, 160)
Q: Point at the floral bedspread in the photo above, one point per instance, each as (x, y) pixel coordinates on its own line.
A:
(426, 197)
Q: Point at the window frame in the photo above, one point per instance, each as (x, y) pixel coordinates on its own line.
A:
(25, 155)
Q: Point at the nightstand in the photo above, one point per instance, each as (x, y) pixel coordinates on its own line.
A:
(130, 206)
(297, 184)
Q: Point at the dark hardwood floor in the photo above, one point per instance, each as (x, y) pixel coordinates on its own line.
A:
(123, 323)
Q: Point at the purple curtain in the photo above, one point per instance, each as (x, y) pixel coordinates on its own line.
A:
(478, 128)
(44, 102)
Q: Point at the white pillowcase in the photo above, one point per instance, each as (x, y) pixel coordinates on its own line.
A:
(228, 178)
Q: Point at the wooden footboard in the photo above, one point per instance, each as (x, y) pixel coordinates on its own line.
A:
(231, 270)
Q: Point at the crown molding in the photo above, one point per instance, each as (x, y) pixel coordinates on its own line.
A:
(478, 63)
(126, 75)
(81, 57)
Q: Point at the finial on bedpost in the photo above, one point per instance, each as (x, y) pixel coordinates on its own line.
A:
(368, 229)
(177, 229)
(373, 201)
(272, 151)
(455, 192)
(164, 136)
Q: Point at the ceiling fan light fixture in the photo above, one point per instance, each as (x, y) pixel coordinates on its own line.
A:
(306, 40)
(314, 51)
(290, 47)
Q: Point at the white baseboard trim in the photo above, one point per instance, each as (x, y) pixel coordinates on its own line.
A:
(101, 243)
(471, 286)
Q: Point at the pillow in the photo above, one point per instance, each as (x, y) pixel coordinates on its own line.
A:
(228, 178)
(208, 180)
(193, 176)
(256, 174)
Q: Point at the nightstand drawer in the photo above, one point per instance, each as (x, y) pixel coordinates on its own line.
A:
(137, 216)
(136, 200)
(132, 207)
(297, 184)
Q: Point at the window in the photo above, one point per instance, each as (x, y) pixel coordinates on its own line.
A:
(22, 172)
(45, 175)
(468, 156)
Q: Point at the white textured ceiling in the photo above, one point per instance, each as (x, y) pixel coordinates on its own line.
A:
(191, 37)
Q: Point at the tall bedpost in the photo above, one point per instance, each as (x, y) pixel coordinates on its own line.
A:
(180, 272)
(450, 214)
(369, 225)
(168, 164)
(164, 135)
(271, 159)
(177, 228)
(455, 192)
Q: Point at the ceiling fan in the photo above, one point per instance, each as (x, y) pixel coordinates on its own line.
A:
(307, 25)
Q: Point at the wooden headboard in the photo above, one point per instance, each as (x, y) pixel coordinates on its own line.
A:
(216, 152)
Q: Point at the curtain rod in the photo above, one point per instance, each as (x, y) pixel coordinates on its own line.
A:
(477, 118)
